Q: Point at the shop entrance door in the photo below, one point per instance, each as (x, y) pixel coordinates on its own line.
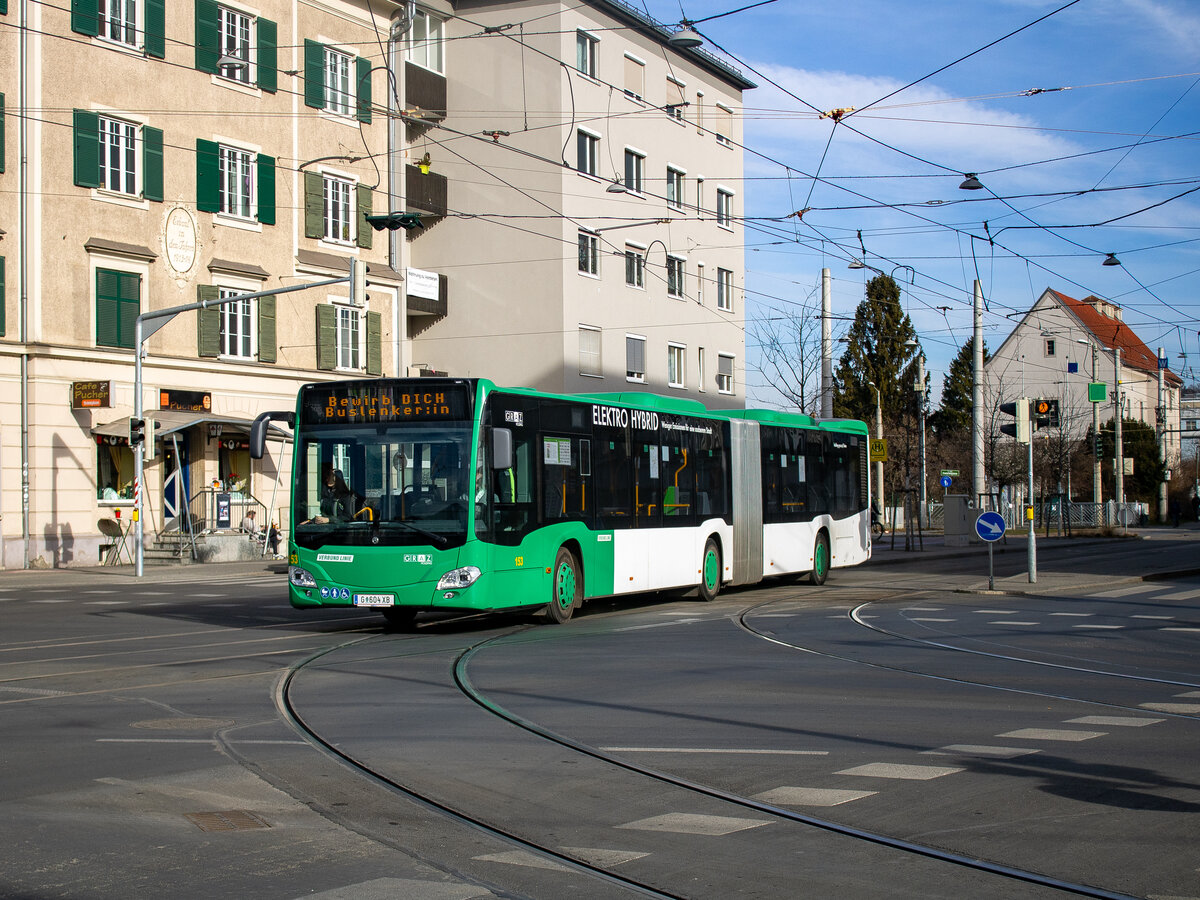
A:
(176, 483)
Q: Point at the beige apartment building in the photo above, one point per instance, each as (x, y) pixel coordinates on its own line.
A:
(578, 184)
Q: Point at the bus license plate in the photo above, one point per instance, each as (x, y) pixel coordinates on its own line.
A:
(374, 600)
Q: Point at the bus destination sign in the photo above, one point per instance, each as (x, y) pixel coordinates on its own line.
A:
(384, 404)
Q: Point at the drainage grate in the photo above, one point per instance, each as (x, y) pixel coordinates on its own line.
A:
(230, 820)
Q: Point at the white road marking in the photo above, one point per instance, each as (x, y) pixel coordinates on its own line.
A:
(800, 796)
(1164, 618)
(1125, 591)
(1051, 734)
(99, 592)
(1118, 721)
(1179, 595)
(105, 602)
(1012, 622)
(902, 772)
(1183, 708)
(1077, 615)
(604, 858)
(190, 741)
(412, 888)
(1189, 694)
(690, 823)
(929, 619)
(522, 858)
(978, 750)
(926, 609)
(1177, 628)
(660, 625)
(995, 612)
(1099, 627)
(714, 750)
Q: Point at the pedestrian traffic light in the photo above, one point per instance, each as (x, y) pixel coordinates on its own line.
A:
(137, 431)
(1019, 410)
(1039, 414)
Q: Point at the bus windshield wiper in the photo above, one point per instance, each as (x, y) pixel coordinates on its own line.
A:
(440, 540)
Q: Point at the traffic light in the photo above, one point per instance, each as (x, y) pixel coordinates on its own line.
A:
(1039, 414)
(1019, 410)
(393, 220)
(358, 282)
(137, 431)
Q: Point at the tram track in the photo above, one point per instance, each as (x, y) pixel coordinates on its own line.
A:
(469, 690)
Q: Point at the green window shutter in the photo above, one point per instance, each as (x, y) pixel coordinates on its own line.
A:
(267, 350)
(2, 298)
(314, 74)
(207, 43)
(85, 17)
(268, 67)
(208, 176)
(117, 307)
(362, 198)
(87, 148)
(3, 7)
(326, 337)
(1, 132)
(374, 343)
(314, 205)
(266, 189)
(156, 29)
(208, 322)
(363, 89)
(152, 163)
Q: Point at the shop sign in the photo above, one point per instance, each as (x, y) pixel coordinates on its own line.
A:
(91, 394)
(185, 401)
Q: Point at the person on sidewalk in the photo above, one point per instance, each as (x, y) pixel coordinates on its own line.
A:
(249, 524)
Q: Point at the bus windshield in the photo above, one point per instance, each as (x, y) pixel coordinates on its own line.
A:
(395, 485)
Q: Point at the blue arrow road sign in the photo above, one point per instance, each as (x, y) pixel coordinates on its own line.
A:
(946, 481)
(990, 526)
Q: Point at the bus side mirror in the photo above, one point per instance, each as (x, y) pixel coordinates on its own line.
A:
(258, 430)
(501, 448)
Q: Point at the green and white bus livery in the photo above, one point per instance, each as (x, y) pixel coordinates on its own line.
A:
(453, 493)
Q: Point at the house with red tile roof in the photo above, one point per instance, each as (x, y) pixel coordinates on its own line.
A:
(1061, 344)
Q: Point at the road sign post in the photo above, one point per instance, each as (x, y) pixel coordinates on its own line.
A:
(990, 528)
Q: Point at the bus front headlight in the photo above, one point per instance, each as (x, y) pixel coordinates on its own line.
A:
(301, 577)
(457, 579)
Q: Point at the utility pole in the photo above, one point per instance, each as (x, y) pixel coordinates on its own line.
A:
(1096, 467)
(826, 345)
(1119, 451)
(1160, 420)
(977, 484)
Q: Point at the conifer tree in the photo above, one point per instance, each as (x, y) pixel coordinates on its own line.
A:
(878, 350)
(954, 414)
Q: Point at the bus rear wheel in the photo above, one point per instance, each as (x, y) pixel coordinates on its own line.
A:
(820, 566)
(566, 587)
(710, 571)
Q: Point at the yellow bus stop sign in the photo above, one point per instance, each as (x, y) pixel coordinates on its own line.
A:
(878, 450)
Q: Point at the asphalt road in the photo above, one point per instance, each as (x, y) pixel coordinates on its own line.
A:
(898, 732)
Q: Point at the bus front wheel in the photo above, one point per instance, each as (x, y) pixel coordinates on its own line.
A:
(566, 588)
(820, 565)
(710, 571)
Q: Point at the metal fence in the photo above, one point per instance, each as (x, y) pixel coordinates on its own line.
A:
(1054, 514)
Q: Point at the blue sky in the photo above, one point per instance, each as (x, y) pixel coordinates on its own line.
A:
(1119, 144)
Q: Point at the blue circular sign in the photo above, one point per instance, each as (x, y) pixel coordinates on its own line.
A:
(990, 526)
(946, 481)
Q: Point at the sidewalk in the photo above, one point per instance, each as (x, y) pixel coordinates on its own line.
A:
(124, 574)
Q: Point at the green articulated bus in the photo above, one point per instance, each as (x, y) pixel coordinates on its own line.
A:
(455, 494)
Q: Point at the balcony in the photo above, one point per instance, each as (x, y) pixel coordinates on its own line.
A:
(424, 93)
(422, 309)
(426, 195)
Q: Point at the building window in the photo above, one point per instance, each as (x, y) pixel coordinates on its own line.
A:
(425, 42)
(233, 36)
(237, 182)
(587, 152)
(118, 156)
(237, 326)
(585, 53)
(338, 94)
(114, 472)
(635, 171)
(1049, 346)
(118, 21)
(589, 253)
(635, 358)
(635, 77)
(338, 222)
(724, 208)
(675, 103)
(349, 338)
(635, 266)
(675, 272)
(725, 289)
(723, 123)
(724, 374)
(589, 351)
(118, 302)
(676, 365)
(674, 187)
(700, 368)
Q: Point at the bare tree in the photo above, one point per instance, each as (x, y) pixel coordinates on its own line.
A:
(789, 355)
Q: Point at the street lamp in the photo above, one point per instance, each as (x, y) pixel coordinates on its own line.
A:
(878, 435)
(1096, 494)
(919, 390)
